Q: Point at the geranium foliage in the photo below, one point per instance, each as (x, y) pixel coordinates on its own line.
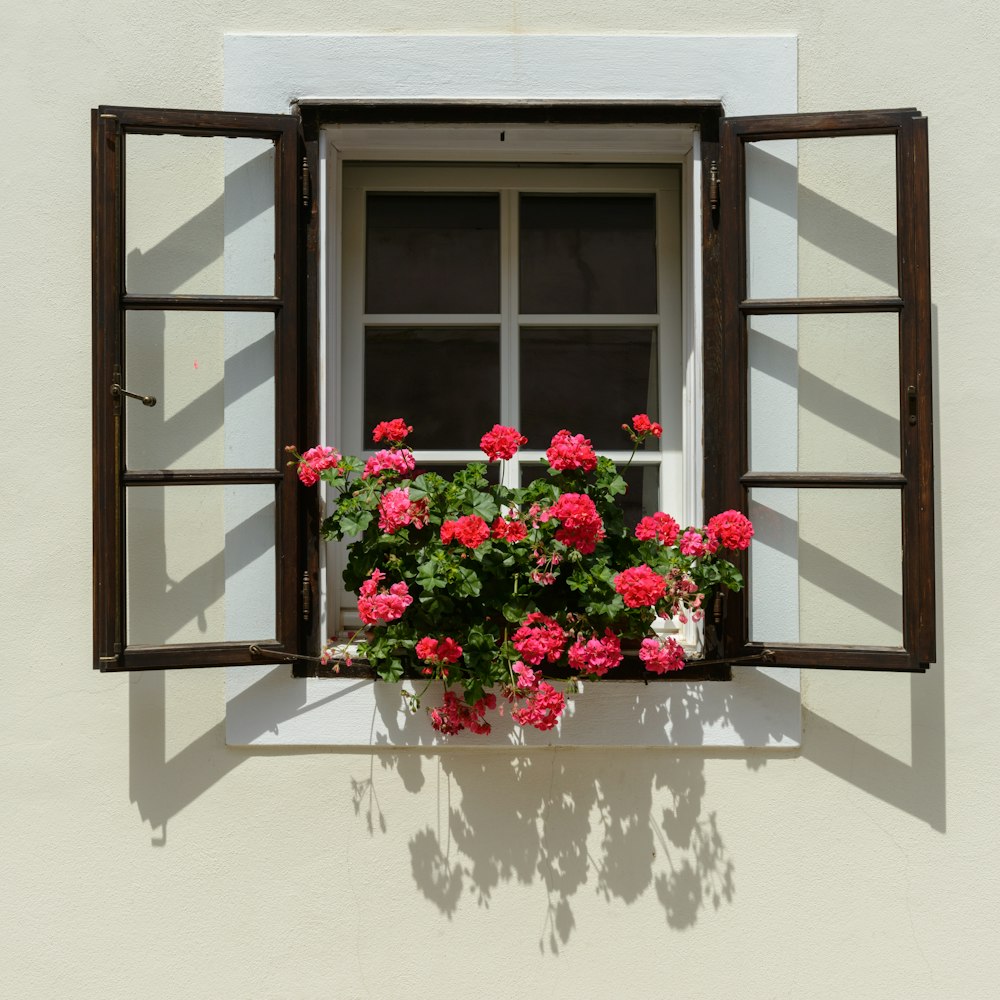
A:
(484, 586)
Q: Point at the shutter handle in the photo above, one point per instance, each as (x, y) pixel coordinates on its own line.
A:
(117, 390)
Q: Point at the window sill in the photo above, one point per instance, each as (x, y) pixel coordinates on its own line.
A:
(760, 707)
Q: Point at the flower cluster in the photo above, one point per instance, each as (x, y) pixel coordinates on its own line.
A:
(581, 527)
(660, 526)
(539, 638)
(596, 655)
(376, 605)
(396, 510)
(640, 586)
(471, 530)
(488, 588)
(454, 715)
(662, 657)
(397, 460)
(394, 431)
(314, 461)
(501, 442)
(571, 451)
(731, 529)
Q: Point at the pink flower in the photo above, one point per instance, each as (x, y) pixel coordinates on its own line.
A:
(581, 526)
(380, 606)
(640, 586)
(398, 460)
(501, 442)
(542, 709)
(527, 678)
(692, 544)
(314, 461)
(394, 431)
(731, 528)
(539, 638)
(596, 655)
(438, 651)
(470, 530)
(571, 451)
(661, 658)
(643, 425)
(394, 510)
(659, 526)
(454, 715)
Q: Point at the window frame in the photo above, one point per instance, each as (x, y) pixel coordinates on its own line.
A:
(723, 312)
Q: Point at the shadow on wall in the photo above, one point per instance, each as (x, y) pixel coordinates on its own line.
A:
(623, 824)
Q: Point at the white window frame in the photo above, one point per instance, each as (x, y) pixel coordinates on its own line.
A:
(761, 707)
(677, 322)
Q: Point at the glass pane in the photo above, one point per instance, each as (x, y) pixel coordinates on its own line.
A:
(588, 254)
(824, 393)
(199, 215)
(821, 217)
(212, 374)
(200, 564)
(432, 253)
(641, 499)
(826, 566)
(445, 382)
(589, 381)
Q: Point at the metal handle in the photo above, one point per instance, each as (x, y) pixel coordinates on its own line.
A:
(117, 390)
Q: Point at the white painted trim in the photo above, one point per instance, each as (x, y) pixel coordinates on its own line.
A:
(750, 75)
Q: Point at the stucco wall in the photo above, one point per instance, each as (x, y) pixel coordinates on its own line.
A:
(142, 857)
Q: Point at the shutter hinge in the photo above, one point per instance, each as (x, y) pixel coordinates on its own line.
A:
(713, 185)
(306, 596)
(306, 183)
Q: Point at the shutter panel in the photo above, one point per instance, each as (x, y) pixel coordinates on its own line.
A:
(824, 426)
(200, 546)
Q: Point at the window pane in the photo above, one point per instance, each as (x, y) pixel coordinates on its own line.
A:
(212, 374)
(588, 254)
(826, 566)
(641, 499)
(589, 381)
(185, 197)
(824, 393)
(200, 564)
(445, 382)
(840, 195)
(432, 253)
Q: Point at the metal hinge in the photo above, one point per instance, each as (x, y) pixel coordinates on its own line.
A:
(306, 596)
(306, 183)
(713, 185)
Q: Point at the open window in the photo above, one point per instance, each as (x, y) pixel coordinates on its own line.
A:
(199, 536)
(843, 512)
(206, 551)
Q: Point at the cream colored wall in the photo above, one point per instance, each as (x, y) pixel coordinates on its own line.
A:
(141, 857)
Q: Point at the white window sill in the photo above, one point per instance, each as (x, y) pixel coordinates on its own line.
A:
(760, 707)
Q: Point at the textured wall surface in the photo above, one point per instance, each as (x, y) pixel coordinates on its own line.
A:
(142, 857)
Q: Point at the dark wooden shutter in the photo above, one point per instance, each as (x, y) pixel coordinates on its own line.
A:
(117, 488)
(727, 414)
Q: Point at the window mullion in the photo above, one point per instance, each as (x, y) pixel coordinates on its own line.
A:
(510, 382)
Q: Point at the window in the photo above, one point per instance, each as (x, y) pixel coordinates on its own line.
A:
(261, 528)
(535, 295)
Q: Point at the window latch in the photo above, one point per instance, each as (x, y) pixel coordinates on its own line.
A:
(118, 391)
(713, 186)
